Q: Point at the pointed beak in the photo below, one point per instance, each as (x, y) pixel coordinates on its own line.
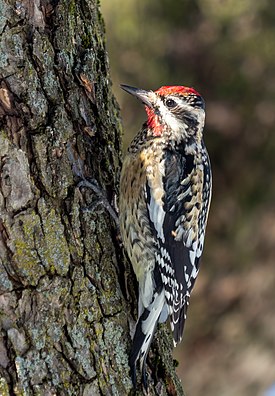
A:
(144, 96)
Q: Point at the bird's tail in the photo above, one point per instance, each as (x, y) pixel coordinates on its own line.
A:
(144, 332)
(177, 322)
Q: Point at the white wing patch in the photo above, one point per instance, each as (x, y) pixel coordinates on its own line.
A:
(157, 215)
(192, 256)
(155, 206)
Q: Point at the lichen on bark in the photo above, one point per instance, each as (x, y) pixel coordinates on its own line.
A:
(65, 311)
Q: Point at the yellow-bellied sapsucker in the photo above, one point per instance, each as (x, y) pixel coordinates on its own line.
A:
(165, 192)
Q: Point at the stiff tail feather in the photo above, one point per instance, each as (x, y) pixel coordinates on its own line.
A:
(144, 332)
(177, 322)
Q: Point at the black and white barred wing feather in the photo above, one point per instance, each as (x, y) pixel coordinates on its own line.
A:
(179, 221)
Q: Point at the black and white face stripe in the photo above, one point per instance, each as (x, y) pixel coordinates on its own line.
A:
(195, 101)
(175, 100)
(183, 115)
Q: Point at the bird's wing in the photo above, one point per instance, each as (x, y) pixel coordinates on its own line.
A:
(178, 221)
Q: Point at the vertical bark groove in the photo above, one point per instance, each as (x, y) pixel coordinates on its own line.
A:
(64, 317)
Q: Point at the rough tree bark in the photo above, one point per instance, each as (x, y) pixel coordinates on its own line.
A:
(65, 309)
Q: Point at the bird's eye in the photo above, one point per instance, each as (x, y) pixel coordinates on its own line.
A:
(170, 103)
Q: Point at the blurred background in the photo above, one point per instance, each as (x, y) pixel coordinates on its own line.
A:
(225, 49)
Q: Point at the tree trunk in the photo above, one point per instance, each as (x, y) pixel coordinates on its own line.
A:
(65, 306)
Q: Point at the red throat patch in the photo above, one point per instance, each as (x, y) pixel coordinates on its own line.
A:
(153, 122)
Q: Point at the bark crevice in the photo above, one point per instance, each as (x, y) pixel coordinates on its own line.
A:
(65, 309)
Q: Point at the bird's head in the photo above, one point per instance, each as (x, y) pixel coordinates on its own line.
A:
(173, 111)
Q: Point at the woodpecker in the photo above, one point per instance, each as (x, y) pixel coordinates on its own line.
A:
(165, 193)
